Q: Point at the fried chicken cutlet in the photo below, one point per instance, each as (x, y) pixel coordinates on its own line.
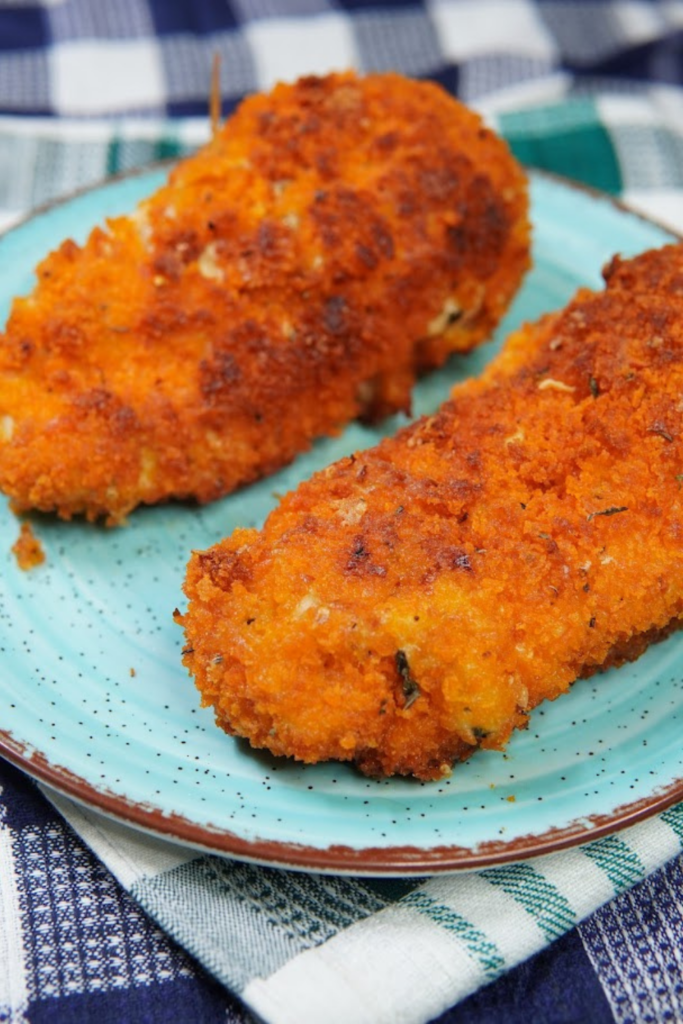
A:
(414, 602)
(335, 237)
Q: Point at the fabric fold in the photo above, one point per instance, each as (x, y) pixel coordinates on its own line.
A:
(299, 948)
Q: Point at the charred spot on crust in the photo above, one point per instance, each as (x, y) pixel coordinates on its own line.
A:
(334, 314)
(119, 419)
(217, 377)
(387, 142)
(441, 557)
(223, 568)
(97, 399)
(169, 265)
(367, 256)
(359, 560)
(358, 555)
(334, 209)
(65, 338)
(26, 348)
(359, 550)
(482, 232)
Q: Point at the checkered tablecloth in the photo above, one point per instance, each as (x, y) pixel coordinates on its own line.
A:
(98, 923)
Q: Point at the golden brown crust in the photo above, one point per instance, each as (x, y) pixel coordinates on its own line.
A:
(27, 549)
(416, 601)
(335, 237)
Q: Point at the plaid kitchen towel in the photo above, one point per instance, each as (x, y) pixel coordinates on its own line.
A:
(310, 949)
(74, 945)
(97, 920)
(93, 57)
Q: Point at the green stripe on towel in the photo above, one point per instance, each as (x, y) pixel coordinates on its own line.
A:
(569, 140)
(622, 866)
(549, 908)
(480, 948)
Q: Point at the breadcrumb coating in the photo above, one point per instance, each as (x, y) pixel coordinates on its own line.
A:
(335, 237)
(414, 602)
(27, 549)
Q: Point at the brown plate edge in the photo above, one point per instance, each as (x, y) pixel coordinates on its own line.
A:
(336, 858)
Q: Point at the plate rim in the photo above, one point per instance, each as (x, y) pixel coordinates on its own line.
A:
(375, 861)
(406, 861)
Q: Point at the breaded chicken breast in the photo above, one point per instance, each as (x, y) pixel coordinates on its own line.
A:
(335, 237)
(414, 602)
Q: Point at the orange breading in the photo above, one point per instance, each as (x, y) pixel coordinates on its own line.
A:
(27, 549)
(414, 602)
(334, 238)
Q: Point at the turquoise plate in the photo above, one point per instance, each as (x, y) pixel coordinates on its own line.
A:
(94, 700)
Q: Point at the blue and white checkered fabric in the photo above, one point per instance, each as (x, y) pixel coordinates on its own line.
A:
(98, 923)
(75, 946)
(74, 58)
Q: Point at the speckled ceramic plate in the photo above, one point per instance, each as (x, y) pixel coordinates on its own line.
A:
(94, 700)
